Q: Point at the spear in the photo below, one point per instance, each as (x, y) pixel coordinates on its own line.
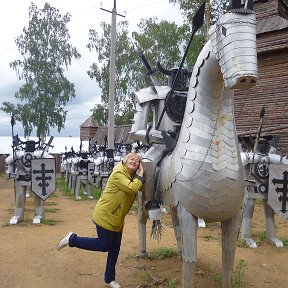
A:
(262, 113)
(12, 122)
(198, 20)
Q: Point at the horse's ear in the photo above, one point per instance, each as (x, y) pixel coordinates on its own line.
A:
(236, 4)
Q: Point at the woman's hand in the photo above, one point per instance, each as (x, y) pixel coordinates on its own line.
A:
(140, 171)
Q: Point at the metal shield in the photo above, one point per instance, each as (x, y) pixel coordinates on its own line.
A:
(92, 178)
(43, 175)
(278, 189)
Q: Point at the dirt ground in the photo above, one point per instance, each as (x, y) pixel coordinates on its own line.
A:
(28, 255)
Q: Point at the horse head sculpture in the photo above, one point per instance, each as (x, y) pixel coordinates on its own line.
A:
(203, 176)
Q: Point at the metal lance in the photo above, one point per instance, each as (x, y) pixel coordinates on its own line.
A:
(150, 72)
(262, 113)
(12, 127)
(13, 151)
(198, 21)
(47, 145)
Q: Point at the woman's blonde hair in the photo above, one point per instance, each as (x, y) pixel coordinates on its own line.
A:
(132, 154)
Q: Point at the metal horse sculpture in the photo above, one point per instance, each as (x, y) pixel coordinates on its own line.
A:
(203, 176)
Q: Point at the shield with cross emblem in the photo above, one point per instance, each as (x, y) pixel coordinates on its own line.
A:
(278, 189)
(43, 177)
(92, 178)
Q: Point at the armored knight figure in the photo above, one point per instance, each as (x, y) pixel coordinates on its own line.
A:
(32, 168)
(99, 170)
(259, 169)
(168, 110)
(80, 170)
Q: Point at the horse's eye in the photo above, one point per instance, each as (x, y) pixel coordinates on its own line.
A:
(224, 31)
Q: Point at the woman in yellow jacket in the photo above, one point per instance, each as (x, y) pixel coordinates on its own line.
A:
(115, 202)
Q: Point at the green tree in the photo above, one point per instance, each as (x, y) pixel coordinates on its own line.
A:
(215, 10)
(46, 52)
(218, 8)
(100, 71)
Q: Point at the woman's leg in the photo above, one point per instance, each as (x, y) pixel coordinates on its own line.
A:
(112, 257)
(107, 241)
(103, 243)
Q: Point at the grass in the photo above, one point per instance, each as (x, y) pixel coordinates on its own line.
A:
(214, 275)
(285, 241)
(162, 253)
(239, 275)
(44, 221)
(159, 254)
(169, 283)
(49, 203)
(259, 237)
(207, 238)
(51, 210)
(62, 186)
(50, 222)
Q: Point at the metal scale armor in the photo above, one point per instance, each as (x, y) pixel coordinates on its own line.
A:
(202, 177)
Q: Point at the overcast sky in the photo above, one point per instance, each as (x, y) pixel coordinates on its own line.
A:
(86, 14)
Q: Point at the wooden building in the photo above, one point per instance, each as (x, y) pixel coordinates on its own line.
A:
(91, 131)
(121, 135)
(88, 130)
(271, 89)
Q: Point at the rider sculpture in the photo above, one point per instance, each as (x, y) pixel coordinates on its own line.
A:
(161, 138)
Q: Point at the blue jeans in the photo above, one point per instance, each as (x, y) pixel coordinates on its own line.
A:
(107, 241)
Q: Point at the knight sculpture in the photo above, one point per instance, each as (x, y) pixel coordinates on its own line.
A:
(161, 139)
(80, 168)
(33, 169)
(260, 168)
(202, 175)
(100, 167)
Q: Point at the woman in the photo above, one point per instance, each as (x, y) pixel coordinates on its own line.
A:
(109, 213)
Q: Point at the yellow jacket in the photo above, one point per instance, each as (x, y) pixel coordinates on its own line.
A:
(116, 199)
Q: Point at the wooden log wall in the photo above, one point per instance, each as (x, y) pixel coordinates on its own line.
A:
(271, 90)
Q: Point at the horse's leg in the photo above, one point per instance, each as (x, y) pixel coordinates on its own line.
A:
(270, 225)
(142, 220)
(177, 228)
(230, 230)
(188, 226)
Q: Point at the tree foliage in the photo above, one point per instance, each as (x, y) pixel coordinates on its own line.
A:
(46, 52)
(100, 72)
(216, 8)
